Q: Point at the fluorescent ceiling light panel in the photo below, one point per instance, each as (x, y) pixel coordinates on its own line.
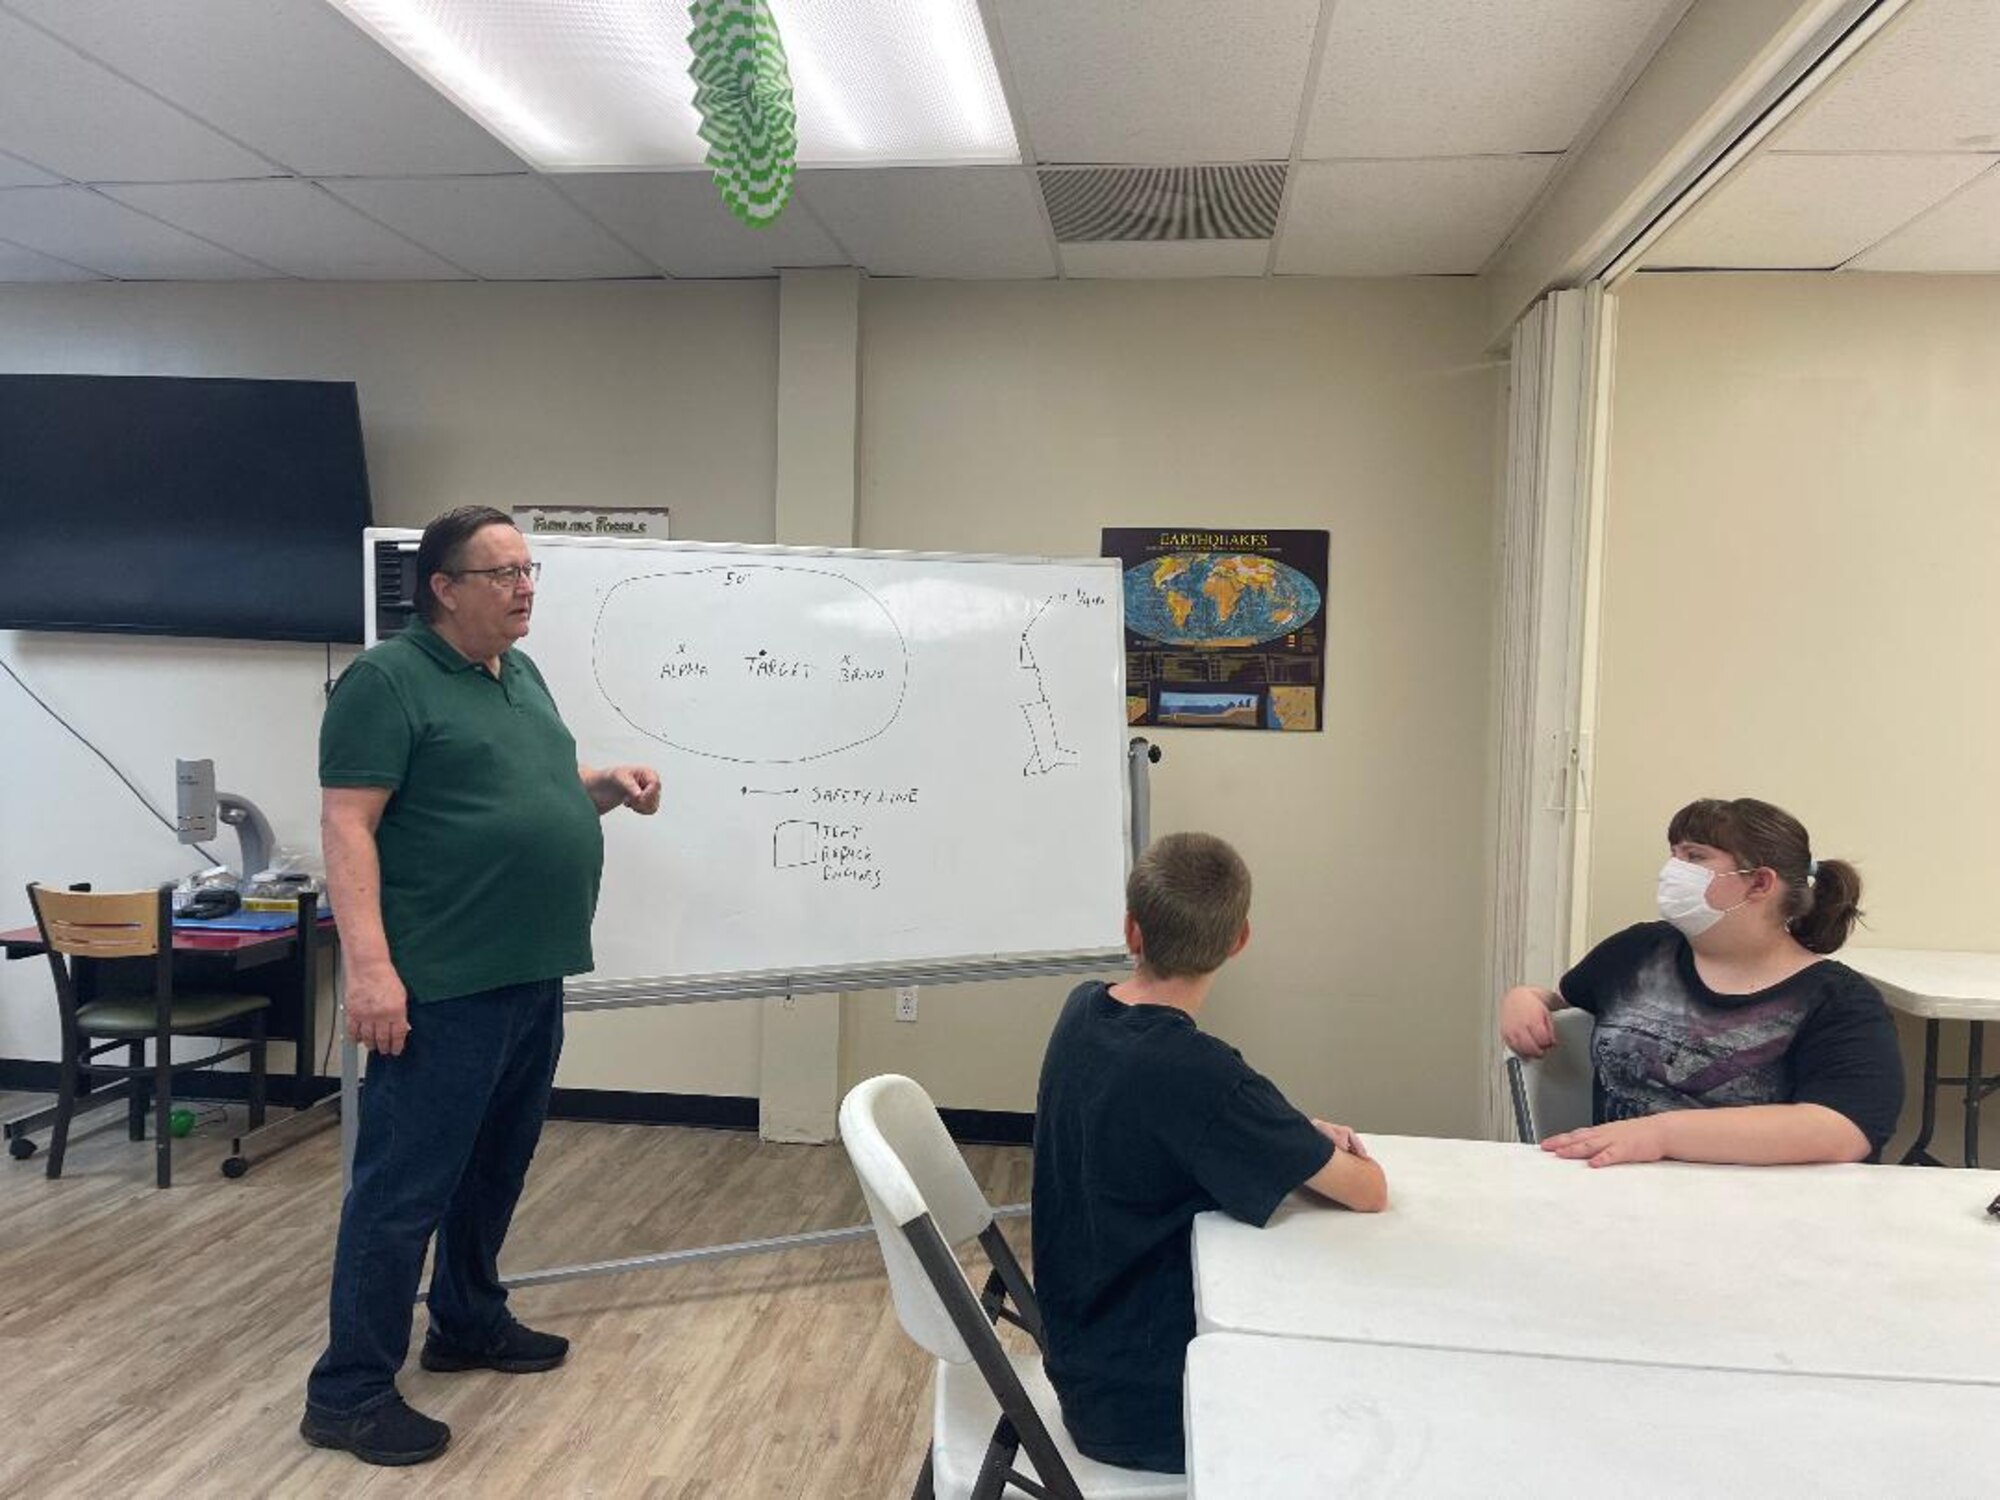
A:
(605, 86)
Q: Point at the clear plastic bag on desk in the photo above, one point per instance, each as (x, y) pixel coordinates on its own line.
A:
(207, 893)
(291, 873)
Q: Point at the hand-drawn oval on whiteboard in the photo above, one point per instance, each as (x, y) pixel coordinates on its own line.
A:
(759, 663)
(1216, 599)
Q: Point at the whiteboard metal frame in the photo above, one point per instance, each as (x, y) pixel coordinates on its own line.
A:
(625, 994)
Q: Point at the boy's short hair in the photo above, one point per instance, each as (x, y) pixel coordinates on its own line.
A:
(1190, 895)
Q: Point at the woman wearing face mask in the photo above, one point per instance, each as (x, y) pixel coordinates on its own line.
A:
(1724, 1033)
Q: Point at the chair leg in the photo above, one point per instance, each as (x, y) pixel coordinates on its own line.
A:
(257, 1076)
(993, 1470)
(72, 1068)
(135, 1098)
(163, 1108)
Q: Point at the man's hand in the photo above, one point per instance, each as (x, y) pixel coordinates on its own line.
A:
(378, 1009)
(1526, 1026)
(1343, 1139)
(636, 787)
(1643, 1139)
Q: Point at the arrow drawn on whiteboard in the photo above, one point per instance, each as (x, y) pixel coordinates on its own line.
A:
(767, 791)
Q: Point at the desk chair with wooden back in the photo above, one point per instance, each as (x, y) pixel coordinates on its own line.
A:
(83, 927)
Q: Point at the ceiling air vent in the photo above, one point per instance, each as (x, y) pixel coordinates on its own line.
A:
(1164, 203)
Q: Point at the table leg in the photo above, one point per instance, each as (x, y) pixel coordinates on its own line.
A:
(1919, 1152)
(1975, 1089)
(135, 1116)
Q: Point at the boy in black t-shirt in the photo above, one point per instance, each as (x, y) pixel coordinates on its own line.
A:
(1142, 1122)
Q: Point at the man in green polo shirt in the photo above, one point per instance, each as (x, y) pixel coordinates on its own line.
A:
(462, 856)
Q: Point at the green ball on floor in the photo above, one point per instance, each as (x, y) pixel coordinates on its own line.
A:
(180, 1123)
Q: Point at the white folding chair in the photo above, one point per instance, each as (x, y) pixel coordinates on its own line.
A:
(989, 1408)
(1552, 1093)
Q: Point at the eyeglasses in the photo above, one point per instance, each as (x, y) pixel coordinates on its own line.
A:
(508, 576)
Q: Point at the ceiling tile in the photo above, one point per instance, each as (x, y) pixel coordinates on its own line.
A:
(1931, 82)
(1961, 234)
(500, 228)
(16, 173)
(293, 78)
(65, 113)
(1158, 81)
(946, 222)
(17, 264)
(1784, 212)
(291, 226)
(1405, 218)
(1157, 258)
(1472, 77)
(79, 226)
(678, 220)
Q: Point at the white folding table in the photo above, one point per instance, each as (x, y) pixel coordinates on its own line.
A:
(1304, 1419)
(1940, 986)
(1862, 1271)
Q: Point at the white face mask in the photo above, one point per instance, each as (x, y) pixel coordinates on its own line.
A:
(1683, 896)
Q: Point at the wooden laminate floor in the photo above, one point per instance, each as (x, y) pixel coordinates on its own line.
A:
(156, 1343)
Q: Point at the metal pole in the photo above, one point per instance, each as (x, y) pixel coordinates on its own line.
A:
(1140, 754)
(810, 1240)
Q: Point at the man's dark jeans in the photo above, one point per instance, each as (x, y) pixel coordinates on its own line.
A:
(447, 1130)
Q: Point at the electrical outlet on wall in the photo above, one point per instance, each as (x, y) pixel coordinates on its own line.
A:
(906, 1002)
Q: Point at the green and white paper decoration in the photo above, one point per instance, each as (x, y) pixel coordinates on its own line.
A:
(743, 93)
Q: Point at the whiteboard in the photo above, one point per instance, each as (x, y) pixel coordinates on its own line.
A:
(877, 767)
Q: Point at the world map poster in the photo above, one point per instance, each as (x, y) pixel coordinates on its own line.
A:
(1224, 629)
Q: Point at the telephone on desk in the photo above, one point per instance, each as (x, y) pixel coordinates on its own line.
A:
(209, 903)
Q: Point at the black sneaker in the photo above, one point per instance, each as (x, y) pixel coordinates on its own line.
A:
(390, 1434)
(518, 1351)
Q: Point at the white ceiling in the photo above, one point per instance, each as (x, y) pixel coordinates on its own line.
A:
(215, 139)
(1893, 167)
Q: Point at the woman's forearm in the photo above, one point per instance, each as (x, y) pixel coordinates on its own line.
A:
(1763, 1135)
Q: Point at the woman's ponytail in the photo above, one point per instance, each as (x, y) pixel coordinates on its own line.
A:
(1834, 909)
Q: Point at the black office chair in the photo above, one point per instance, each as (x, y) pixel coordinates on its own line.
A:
(85, 927)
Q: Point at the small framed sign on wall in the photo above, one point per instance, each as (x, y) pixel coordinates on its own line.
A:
(1225, 628)
(624, 523)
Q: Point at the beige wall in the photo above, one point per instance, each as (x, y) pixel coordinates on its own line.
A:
(588, 394)
(595, 394)
(1021, 418)
(1802, 543)
(995, 417)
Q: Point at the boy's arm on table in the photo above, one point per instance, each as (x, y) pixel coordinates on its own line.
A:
(1351, 1177)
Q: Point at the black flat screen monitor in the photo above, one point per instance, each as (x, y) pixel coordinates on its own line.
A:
(175, 506)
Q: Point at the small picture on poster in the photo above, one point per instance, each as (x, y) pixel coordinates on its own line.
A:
(1224, 629)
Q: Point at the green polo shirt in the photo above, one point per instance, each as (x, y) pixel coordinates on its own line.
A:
(490, 846)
